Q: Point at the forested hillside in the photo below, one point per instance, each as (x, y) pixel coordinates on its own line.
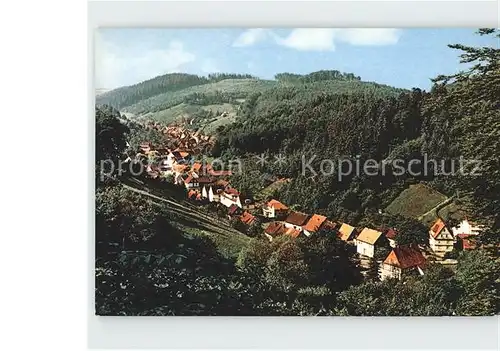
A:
(126, 96)
(459, 117)
(182, 97)
(148, 262)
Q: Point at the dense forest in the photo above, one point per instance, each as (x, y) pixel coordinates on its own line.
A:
(167, 91)
(315, 76)
(457, 118)
(129, 95)
(146, 265)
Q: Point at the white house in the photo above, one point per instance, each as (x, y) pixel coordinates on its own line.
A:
(204, 192)
(467, 228)
(214, 194)
(274, 209)
(191, 182)
(166, 167)
(366, 241)
(229, 197)
(211, 192)
(169, 161)
(441, 240)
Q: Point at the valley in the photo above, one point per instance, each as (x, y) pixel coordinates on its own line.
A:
(268, 238)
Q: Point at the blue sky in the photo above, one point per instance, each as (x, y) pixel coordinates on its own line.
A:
(403, 58)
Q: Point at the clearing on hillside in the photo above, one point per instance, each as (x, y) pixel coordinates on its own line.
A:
(416, 201)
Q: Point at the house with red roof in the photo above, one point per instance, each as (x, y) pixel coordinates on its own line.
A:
(274, 209)
(178, 157)
(296, 220)
(314, 224)
(233, 210)
(185, 154)
(208, 169)
(247, 218)
(274, 229)
(441, 240)
(179, 169)
(390, 234)
(403, 260)
(219, 173)
(292, 232)
(196, 167)
(466, 241)
(222, 183)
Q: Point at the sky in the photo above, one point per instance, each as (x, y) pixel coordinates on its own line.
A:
(404, 58)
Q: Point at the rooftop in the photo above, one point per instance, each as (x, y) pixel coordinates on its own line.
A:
(314, 223)
(219, 173)
(196, 166)
(297, 218)
(222, 183)
(468, 241)
(275, 228)
(405, 257)
(437, 227)
(232, 191)
(391, 233)
(247, 218)
(294, 233)
(277, 205)
(369, 236)
(345, 231)
(232, 209)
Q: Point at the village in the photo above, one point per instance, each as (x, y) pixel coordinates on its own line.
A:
(204, 185)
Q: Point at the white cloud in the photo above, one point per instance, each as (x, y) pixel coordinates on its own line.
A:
(116, 67)
(322, 39)
(309, 39)
(369, 36)
(250, 37)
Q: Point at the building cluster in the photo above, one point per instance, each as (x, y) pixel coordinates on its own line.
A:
(183, 138)
(443, 240)
(206, 185)
(401, 260)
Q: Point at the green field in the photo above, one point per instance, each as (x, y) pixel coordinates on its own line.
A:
(416, 201)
